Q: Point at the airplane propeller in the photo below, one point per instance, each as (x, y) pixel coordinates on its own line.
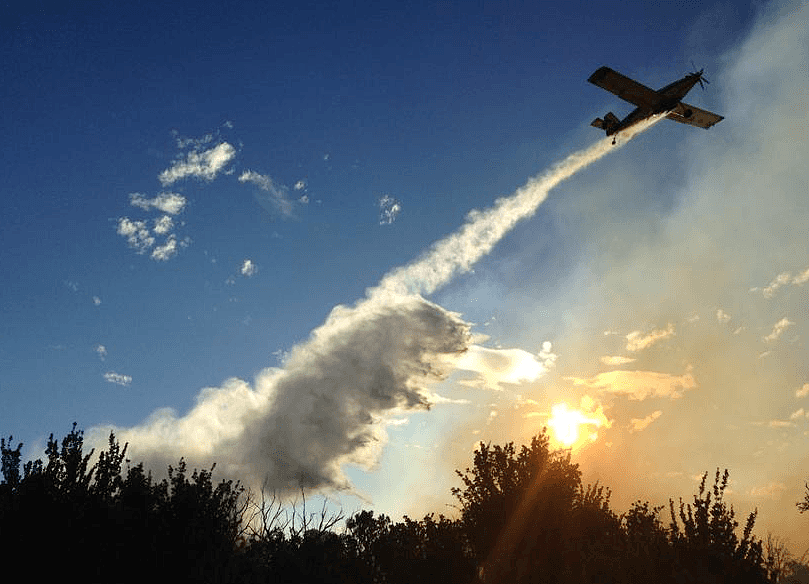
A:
(701, 78)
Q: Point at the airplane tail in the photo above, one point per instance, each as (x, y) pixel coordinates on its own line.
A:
(607, 124)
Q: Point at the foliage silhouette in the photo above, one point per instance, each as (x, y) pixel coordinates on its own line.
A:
(525, 517)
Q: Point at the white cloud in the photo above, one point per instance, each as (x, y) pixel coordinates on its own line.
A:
(778, 329)
(248, 268)
(300, 185)
(101, 351)
(171, 203)
(137, 234)
(638, 424)
(494, 367)
(203, 165)
(277, 201)
(637, 341)
(389, 209)
(166, 251)
(96, 300)
(117, 378)
(163, 224)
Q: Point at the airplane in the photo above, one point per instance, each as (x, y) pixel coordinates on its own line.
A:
(650, 102)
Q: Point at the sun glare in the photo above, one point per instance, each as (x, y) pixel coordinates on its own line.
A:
(567, 425)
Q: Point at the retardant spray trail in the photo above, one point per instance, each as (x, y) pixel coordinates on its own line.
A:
(330, 402)
(457, 252)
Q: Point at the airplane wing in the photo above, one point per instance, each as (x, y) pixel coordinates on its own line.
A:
(689, 114)
(624, 87)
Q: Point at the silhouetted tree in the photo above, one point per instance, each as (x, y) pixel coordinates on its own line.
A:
(528, 519)
(90, 520)
(706, 547)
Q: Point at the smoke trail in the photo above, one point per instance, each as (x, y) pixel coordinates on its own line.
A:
(328, 406)
(483, 229)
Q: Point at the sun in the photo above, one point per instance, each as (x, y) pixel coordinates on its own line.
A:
(567, 425)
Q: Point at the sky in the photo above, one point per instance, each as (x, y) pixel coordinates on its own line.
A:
(337, 247)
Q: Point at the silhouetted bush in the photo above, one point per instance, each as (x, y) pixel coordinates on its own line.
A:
(525, 517)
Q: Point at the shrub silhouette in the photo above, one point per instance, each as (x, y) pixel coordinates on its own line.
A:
(525, 517)
(96, 522)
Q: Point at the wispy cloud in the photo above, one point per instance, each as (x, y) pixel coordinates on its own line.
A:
(117, 378)
(201, 164)
(615, 360)
(802, 391)
(137, 234)
(277, 200)
(171, 203)
(638, 341)
(101, 351)
(638, 385)
(778, 329)
(389, 209)
(638, 424)
(96, 301)
(783, 279)
(772, 490)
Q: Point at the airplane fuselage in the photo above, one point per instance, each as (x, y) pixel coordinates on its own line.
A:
(669, 97)
(650, 102)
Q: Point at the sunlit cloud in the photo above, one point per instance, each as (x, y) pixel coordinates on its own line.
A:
(495, 368)
(117, 378)
(638, 341)
(638, 385)
(780, 280)
(772, 490)
(722, 316)
(204, 164)
(101, 351)
(572, 428)
(798, 414)
(616, 360)
(778, 329)
(802, 391)
(638, 424)
(801, 278)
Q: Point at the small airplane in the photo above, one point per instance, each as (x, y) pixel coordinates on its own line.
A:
(650, 102)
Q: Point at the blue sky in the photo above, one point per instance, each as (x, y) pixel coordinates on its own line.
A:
(190, 191)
